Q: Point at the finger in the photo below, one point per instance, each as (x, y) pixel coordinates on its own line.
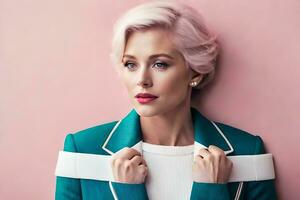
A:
(144, 162)
(143, 168)
(126, 153)
(138, 160)
(216, 150)
(203, 152)
(198, 160)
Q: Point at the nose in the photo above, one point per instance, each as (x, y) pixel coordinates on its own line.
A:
(144, 78)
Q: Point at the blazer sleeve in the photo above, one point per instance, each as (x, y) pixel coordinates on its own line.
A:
(262, 190)
(209, 191)
(68, 188)
(134, 191)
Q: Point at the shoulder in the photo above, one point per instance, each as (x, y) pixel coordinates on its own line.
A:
(243, 142)
(89, 140)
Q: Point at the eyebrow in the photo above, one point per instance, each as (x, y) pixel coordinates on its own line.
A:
(152, 56)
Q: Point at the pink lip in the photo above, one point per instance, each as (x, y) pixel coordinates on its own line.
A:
(145, 100)
(145, 95)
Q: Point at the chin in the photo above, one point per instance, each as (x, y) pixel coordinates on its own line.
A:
(146, 111)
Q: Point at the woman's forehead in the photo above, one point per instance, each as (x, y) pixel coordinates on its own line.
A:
(150, 44)
(150, 38)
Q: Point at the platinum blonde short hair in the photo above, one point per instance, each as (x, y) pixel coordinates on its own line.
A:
(192, 37)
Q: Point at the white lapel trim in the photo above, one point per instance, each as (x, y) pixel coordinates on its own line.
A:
(227, 141)
(199, 146)
(238, 192)
(111, 153)
(137, 146)
(108, 138)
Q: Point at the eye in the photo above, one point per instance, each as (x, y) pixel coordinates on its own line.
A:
(161, 65)
(129, 65)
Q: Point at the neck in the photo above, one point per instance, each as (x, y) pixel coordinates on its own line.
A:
(173, 128)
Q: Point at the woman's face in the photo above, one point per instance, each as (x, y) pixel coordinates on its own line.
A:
(151, 64)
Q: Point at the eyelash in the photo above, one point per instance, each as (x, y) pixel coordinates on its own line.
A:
(165, 65)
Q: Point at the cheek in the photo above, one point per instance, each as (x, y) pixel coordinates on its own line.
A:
(174, 85)
(128, 81)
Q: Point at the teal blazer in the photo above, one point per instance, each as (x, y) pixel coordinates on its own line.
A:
(108, 138)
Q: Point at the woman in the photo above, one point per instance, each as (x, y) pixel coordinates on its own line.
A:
(163, 53)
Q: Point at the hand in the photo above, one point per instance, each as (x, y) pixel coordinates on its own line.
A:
(128, 166)
(211, 166)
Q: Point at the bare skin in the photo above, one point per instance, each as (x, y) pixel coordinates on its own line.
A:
(167, 120)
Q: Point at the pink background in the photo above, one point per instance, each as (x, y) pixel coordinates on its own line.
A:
(56, 78)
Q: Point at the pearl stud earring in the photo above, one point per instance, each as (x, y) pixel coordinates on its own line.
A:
(193, 84)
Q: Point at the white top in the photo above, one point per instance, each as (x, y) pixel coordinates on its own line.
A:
(169, 171)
